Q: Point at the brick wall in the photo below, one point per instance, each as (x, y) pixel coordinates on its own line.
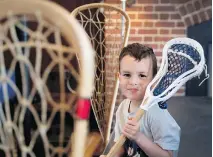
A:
(154, 22)
(195, 12)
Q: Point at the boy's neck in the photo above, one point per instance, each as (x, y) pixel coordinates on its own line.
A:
(134, 105)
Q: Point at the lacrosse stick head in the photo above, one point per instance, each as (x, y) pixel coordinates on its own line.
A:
(49, 49)
(108, 28)
(182, 59)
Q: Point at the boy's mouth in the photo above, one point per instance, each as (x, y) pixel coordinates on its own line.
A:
(133, 90)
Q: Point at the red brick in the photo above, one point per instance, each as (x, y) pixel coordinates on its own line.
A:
(207, 3)
(132, 31)
(147, 31)
(175, 16)
(165, 1)
(112, 31)
(181, 1)
(164, 31)
(138, 39)
(136, 24)
(164, 16)
(148, 8)
(134, 8)
(180, 24)
(197, 5)
(176, 1)
(148, 39)
(161, 39)
(182, 10)
(190, 8)
(112, 39)
(202, 16)
(154, 46)
(164, 24)
(188, 21)
(112, 23)
(195, 19)
(178, 31)
(148, 16)
(148, 1)
(115, 16)
(148, 24)
(164, 8)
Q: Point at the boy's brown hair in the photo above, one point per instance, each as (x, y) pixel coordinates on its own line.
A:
(139, 51)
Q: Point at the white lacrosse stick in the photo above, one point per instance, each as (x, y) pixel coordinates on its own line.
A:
(182, 59)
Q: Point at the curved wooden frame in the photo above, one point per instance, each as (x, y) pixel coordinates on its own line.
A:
(125, 40)
(77, 38)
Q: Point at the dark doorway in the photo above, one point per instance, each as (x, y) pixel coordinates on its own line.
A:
(203, 34)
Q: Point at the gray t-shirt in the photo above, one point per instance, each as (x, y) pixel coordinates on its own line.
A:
(157, 124)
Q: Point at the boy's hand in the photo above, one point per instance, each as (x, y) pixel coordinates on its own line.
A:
(131, 129)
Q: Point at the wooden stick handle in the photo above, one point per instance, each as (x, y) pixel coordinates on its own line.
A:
(80, 137)
(93, 141)
(139, 114)
(114, 150)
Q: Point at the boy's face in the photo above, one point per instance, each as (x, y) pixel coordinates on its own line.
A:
(134, 77)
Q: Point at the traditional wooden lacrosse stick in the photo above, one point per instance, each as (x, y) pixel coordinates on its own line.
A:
(182, 59)
(51, 45)
(103, 24)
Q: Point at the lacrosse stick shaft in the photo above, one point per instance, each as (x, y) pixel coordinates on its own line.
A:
(114, 150)
(94, 141)
(81, 128)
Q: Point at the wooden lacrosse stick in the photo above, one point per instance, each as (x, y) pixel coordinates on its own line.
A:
(107, 36)
(49, 53)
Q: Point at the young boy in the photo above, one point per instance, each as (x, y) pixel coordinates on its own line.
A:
(156, 134)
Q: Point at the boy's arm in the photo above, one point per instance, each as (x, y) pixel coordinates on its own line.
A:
(131, 131)
(151, 149)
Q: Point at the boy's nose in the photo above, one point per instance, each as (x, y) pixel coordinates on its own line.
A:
(134, 81)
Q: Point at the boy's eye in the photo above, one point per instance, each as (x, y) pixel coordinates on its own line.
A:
(126, 75)
(142, 75)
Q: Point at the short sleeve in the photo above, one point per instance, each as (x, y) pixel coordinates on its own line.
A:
(164, 129)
